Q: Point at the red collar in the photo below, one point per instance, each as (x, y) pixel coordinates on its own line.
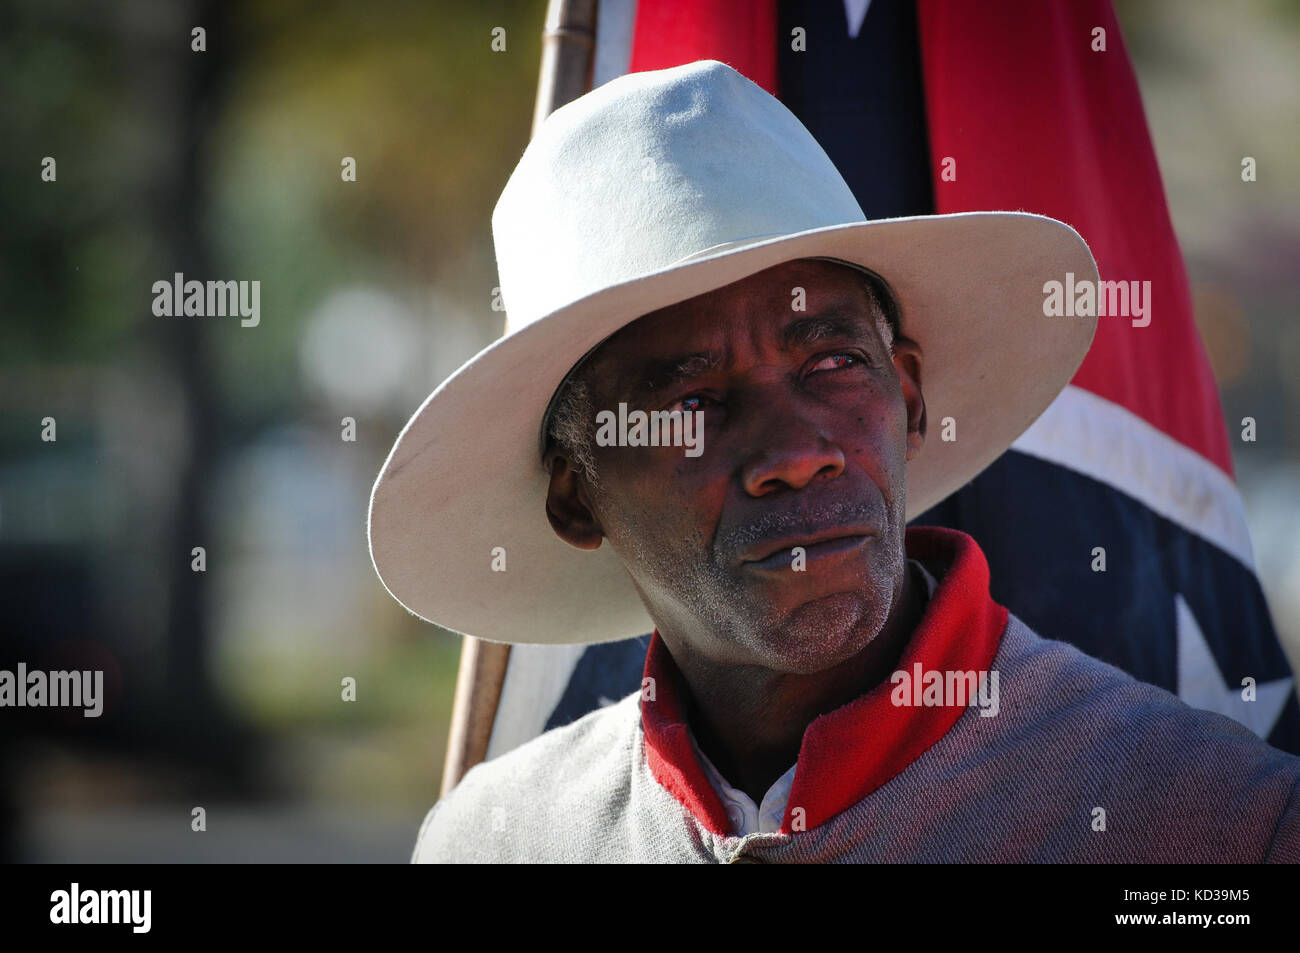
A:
(850, 752)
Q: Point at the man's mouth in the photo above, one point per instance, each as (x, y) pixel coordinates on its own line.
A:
(817, 547)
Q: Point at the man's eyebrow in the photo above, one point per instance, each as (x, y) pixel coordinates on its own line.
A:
(665, 372)
(808, 331)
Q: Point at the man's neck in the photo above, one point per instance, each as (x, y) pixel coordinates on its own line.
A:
(750, 722)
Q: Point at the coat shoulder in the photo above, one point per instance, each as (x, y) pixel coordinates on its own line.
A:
(1182, 773)
(510, 809)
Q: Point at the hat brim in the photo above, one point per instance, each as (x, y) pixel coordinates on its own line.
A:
(465, 476)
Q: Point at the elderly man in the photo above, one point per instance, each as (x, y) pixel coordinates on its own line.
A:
(822, 684)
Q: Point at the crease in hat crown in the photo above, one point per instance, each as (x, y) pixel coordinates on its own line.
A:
(651, 168)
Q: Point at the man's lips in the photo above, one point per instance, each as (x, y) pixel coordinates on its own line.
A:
(777, 554)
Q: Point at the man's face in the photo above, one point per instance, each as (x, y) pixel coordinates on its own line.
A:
(808, 423)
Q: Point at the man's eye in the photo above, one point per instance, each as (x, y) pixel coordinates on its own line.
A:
(688, 404)
(834, 362)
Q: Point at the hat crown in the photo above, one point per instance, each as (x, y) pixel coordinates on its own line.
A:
(651, 168)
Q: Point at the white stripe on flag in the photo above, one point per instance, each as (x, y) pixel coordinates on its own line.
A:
(535, 681)
(1109, 443)
(615, 20)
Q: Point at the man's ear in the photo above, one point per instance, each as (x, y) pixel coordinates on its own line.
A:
(907, 361)
(569, 510)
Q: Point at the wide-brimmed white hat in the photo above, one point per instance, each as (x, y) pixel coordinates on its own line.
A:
(651, 189)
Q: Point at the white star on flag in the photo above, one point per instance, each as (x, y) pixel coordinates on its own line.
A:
(1201, 684)
(855, 11)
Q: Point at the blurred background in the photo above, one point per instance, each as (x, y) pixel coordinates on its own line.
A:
(223, 686)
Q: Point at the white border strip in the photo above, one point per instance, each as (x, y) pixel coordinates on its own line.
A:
(615, 20)
(1103, 440)
(536, 677)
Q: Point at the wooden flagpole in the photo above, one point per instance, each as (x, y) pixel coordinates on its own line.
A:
(568, 54)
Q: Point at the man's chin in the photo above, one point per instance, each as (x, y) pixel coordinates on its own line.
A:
(820, 633)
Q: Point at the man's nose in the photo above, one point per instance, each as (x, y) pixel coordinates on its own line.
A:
(790, 452)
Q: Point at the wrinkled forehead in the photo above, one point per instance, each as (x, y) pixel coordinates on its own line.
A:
(803, 291)
(802, 299)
